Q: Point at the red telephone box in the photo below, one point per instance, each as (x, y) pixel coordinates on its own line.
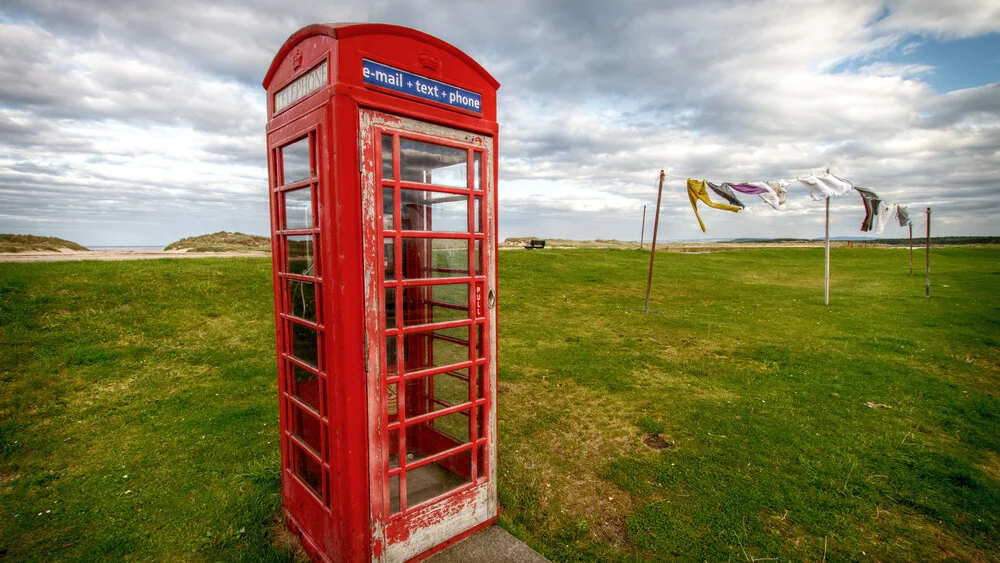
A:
(382, 158)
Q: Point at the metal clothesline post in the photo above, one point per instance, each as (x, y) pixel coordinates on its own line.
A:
(652, 251)
(927, 275)
(911, 247)
(826, 275)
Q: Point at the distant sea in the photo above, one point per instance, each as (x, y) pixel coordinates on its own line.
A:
(125, 247)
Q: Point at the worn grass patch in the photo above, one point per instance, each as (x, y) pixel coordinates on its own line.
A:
(138, 411)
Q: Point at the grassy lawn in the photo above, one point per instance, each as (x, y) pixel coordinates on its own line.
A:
(742, 419)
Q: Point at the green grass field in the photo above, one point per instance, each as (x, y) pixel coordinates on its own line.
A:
(741, 420)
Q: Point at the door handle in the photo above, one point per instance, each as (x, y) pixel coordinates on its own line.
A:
(491, 299)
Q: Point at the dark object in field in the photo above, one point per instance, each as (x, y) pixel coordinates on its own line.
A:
(657, 442)
(535, 244)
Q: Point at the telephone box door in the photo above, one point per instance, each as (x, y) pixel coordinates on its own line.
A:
(430, 288)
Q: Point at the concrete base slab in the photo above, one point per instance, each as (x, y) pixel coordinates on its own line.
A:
(494, 544)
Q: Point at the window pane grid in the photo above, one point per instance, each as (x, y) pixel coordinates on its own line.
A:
(300, 289)
(432, 179)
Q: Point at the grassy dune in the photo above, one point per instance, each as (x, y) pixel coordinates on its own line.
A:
(740, 420)
(222, 241)
(32, 243)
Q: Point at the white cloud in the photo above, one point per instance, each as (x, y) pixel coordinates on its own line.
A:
(947, 20)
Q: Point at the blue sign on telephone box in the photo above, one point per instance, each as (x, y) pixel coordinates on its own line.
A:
(378, 74)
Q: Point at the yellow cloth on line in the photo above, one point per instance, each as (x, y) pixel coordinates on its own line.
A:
(696, 191)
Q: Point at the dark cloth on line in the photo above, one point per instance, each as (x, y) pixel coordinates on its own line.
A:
(726, 192)
(871, 201)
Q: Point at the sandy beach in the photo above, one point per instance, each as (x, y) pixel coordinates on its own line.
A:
(73, 255)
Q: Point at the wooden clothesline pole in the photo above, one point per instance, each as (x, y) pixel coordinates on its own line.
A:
(656, 227)
(642, 236)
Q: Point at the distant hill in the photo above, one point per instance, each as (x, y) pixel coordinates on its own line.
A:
(32, 243)
(222, 241)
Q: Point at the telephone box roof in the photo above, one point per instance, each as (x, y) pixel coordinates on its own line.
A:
(345, 30)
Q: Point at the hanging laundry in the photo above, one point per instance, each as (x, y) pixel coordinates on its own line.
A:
(725, 192)
(769, 195)
(822, 186)
(902, 215)
(884, 214)
(871, 200)
(780, 188)
(759, 188)
(696, 191)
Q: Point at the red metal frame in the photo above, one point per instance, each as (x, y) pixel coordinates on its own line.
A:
(334, 380)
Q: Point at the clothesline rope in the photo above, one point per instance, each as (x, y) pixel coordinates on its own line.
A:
(821, 185)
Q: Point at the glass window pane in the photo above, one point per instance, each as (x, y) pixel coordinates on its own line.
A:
(428, 163)
(394, 494)
(437, 392)
(438, 348)
(434, 211)
(302, 298)
(387, 157)
(389, 258)
(434, 436)
(435, 258)
(393, 447)
(480, 342)
(295, 161)
(480, 381)
(435, 303)
(425, 350)
(478, 219)
(391, 399)
(477, 258)
(307, 428)
(480, 422)
(477, 170)
(451, 389)
(301, 255)
(306, 386)
(308, 470)
(388, 206)
(481, 462)
(305, 344)
(298, 209)
(390, 355)
(390, 307)
(436, 479)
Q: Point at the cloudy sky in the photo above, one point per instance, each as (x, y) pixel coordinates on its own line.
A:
(138, 122)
